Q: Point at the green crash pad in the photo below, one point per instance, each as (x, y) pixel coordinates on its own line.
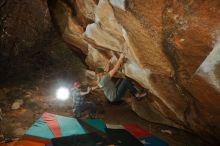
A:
(96, 123)
(68, 126)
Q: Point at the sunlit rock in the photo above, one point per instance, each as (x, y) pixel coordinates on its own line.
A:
(119, 4)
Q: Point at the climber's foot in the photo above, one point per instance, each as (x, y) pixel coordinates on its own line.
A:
(140, 96)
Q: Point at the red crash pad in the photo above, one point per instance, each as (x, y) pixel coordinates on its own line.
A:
(53, 124)
(137, 131)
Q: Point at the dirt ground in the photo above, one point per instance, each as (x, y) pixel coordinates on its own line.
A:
(40, 97)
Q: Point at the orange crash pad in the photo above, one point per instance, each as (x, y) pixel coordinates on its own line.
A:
(25, 143)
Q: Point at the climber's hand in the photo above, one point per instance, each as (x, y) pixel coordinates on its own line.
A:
(122, 55)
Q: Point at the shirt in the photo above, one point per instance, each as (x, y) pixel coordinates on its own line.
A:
(77, 98)
(108, 87)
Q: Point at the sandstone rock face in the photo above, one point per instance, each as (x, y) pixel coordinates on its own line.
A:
(72, 17)
(172, 49)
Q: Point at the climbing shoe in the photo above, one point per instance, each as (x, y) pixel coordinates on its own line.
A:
(140, 96)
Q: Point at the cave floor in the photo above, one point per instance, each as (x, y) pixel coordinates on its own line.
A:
(39, 98)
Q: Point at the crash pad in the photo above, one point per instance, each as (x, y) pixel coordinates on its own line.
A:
(40, 129)
(140, 133)
(25, 143)
(121, 137)
(90, 139)
(137, 131)
(50, 126)
(67, 126)
(52, 123)
(96, 123)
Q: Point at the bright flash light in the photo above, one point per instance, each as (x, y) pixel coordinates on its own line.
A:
(62, 93)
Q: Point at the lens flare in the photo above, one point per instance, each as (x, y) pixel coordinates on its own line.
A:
(62, 93)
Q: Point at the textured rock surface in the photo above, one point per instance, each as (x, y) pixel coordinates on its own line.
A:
(172, 51)
(17, 104)
(25, 28)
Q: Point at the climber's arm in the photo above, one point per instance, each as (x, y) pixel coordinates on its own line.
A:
(107, 67)
(117, 66)
(85, 93)
(94, 88)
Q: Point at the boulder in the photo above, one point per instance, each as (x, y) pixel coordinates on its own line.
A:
(172, 49)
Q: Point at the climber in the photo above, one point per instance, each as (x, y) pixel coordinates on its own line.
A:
(113, 92)
(79, 103)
